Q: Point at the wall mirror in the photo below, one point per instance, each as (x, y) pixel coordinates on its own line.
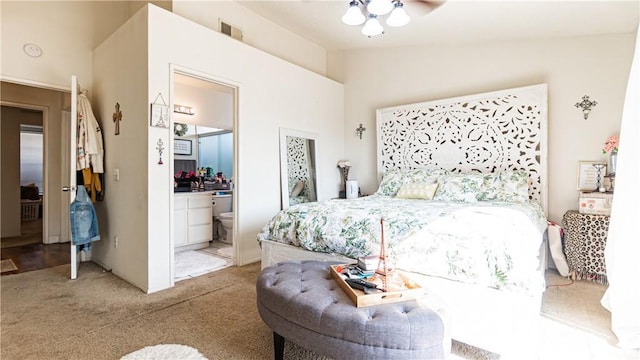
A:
(297, 167)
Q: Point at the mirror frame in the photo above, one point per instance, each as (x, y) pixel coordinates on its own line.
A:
(284, 166)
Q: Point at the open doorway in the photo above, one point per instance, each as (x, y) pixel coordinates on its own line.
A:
(23, 155)
(30, 167)
(31, 181)
(204, 165)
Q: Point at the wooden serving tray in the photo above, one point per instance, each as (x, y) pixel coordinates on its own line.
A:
(360, 299)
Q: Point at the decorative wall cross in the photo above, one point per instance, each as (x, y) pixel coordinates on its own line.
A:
(160, 149)
(586, 105)
(117, 117)
(359, 130)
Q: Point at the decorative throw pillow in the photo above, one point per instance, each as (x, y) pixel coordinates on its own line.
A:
(423, 191)
(492, 187)
(459, 187)
(391, 182)
(394, 179)
(515, 186)
(297, 189)
(509, 186)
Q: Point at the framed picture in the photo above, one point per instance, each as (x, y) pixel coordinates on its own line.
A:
(182, 147)
(591, 175)
(160, 116)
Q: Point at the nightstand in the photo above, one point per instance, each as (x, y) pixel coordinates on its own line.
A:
(585, 237)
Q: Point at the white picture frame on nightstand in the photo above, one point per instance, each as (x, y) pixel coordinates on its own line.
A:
(588, 175)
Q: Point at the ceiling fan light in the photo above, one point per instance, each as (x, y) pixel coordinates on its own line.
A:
(398, 16)
(372, 27)
(379, 7)
(354, 15)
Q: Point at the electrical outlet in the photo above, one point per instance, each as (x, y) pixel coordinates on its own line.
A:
(115, 242)
(116, 174)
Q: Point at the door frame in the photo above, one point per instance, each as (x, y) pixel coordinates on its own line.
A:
(45, 161)
(177, 69)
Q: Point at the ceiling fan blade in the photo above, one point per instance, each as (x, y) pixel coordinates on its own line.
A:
(418, 8)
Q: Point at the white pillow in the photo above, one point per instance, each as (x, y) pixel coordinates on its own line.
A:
(297, 189)
(421, 190)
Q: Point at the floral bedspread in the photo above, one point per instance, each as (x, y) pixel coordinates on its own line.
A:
(494, 244)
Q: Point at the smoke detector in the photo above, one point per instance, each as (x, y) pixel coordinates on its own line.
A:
(32, 50)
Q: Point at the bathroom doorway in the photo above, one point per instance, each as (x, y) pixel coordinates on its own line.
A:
(204, 144)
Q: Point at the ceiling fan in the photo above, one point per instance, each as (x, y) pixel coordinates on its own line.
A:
(368, 12)
(422, 7)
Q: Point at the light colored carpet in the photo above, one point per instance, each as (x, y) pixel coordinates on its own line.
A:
(216, 314)
(165, 352)
(7, 265)
(193, 263)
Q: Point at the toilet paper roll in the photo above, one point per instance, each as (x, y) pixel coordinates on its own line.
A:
(352, 189)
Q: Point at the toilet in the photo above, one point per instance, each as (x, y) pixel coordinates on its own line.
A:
(223, 217)
(226, 219)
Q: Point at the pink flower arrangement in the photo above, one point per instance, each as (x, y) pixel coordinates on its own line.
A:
(611, 144)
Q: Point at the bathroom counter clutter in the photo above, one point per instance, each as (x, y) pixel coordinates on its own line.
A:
(210, 192)
(185, 193)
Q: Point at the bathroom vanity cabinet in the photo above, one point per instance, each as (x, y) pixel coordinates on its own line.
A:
(193, 220)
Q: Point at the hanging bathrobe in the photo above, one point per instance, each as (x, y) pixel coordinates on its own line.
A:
(84, 222)
(90, 157)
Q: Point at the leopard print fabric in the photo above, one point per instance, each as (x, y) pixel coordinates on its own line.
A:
(585, 237)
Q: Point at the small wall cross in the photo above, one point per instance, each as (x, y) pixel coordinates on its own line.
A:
(160, 149)
(117, 117)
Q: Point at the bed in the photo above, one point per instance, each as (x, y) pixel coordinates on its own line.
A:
(462, 199)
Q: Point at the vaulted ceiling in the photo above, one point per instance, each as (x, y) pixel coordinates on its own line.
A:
(454, 21)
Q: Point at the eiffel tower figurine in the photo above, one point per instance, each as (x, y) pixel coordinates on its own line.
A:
(382, 269)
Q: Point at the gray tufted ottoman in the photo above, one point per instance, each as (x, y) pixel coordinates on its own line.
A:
(301, 302)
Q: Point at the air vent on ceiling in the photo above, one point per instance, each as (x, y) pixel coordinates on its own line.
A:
(230, 30)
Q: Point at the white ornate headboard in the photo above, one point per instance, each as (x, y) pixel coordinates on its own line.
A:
(501, 130)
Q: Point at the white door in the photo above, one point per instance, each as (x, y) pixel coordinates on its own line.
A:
(70, 153)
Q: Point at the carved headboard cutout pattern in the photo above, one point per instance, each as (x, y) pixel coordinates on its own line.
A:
(502, 130)
(298, 166)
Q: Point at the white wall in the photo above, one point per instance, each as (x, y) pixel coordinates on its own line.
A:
(212, 108)
(258, 32)
(597, 66)
(120, 76)
(67, 32)
(273, 93)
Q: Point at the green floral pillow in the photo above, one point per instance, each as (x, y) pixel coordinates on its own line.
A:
(508, 186)
(460, 187)
(393, 180)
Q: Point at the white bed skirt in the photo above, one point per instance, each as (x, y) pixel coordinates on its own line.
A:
(502, 322)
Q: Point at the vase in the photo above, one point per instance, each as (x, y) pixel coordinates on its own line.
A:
(344, 174)
(613, 161)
